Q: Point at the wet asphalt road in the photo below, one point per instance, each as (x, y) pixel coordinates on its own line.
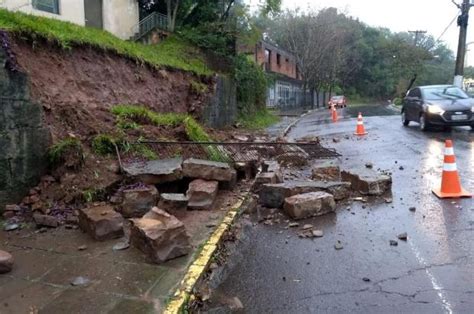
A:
(274, 271)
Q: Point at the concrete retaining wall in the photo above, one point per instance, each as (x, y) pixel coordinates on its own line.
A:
(222, 108)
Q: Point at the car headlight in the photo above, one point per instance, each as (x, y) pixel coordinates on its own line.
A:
(435, 109)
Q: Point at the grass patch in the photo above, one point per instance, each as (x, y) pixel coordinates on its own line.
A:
(198, 87)
(67, 148)
(260, 120)
(173, 52)
(194, 131)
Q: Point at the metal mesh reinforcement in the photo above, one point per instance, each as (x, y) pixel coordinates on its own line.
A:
(234, 152)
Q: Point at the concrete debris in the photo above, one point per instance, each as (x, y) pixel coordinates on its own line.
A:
(366, 279)
(326, 170)
(403, 236)
(248, 168)
(202, 194)
(293, 225)
(309, 204)
(393, 243)
(412, 209)
(273, 167)
(45, 220)
(121, 246)
(369, 165)
(155, 171)
(318, 233)
(273, 195)
(388, 200)
(264, 178)
(160, 236)
(173, 201)
(207, 170)
(367, 181)
(101, 222)
(307, 226)
(137, 201)
(6, 262)
(338, 245)
(401, 168)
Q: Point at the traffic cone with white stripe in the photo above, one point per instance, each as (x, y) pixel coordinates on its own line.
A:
(450, 183)
(334, 113)
(360, 130)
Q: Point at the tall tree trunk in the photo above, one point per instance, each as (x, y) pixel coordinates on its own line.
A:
(312, 97)
(317, 97)
(172, 12)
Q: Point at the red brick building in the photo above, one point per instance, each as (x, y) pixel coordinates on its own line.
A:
(287, 88)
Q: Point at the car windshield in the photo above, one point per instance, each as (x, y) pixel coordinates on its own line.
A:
(336, 97)
(443, 92)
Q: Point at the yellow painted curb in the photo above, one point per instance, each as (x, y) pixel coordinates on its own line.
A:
(199, 266)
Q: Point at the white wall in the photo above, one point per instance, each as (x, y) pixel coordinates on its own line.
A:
(120, 17)
(70, 10)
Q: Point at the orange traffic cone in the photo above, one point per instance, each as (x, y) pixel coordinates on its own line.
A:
(450, 184)
(360, 130)
(334, 113)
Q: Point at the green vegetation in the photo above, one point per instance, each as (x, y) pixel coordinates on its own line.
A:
(143, 115)
(67, 148)
(260, 120)
(198, 87)
(174, 52)
(397, 101)
(104, 144)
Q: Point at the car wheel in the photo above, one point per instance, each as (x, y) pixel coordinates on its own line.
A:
(423, 124)
(405, 121)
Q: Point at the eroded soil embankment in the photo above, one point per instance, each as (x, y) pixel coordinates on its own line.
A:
(77, 87)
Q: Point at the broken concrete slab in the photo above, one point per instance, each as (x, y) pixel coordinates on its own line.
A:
(273, 195)
(45, 220)
(6, 262)
(101, 222)
(202, 194)
(138, 201)
(264, 178)
(273, 167)
(367, 181)
(307, 205)
(207, 170)
(160, 236)
(155, 171)
(173, 201)
(326, 170)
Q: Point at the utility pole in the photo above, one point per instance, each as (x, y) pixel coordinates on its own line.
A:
(417, 35)
(462, 23)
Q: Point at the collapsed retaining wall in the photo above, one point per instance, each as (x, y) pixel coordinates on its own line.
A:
(23, 137)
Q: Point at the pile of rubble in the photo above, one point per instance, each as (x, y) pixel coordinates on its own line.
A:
(140, 211)
(301, 199)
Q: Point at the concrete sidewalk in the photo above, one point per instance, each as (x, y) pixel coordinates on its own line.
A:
(46, 264)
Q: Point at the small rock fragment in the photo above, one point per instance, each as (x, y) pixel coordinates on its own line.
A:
(11, 227)
(80, 281)
(369, 165)
(401, 168)
(366, 279)
(307, 226)
(412, 209)
(82, 247)
(393, 243)
(293, 224)
(403, 236)
(318, 233)
(338, 245)
(6, 262)
(121, 246)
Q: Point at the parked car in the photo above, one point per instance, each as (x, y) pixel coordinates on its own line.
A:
(337, 101)
(438, 105)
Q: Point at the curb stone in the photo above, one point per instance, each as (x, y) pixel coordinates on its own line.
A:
(200, 265)
(292, 124)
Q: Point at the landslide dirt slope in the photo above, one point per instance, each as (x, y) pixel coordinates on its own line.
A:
(77, 87)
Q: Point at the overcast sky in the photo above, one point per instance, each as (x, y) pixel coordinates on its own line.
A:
(399, 15)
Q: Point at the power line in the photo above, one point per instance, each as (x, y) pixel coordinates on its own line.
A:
(417, 35)
(447, 27)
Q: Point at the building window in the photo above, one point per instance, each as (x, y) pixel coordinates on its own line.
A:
(268, 56)
(51, 6)
(278, 59)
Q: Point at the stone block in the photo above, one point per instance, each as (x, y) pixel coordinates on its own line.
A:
(367, 181)
(155, 171)
(326, 170)
(273, 195)
(45, 220)
(207, 170)
(160, 236)
(307, 205)
(101, 222)
(6, 262)
(264, 178)
(137, 202)
(202, 194)
(173, 201)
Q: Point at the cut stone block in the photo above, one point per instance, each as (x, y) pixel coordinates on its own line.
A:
(137, 202)
(264, 178)
(45, 220)
(202, 194)
(274, 167)
(160, 236)
(326, 170)
(368, 181)
(101, 222)
(6, 262)
(173, 201)
(207, 170)
(156, 171)
(273, 195)
(307, 205)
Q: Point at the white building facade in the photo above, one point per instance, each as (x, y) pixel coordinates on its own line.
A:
(119, 17)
